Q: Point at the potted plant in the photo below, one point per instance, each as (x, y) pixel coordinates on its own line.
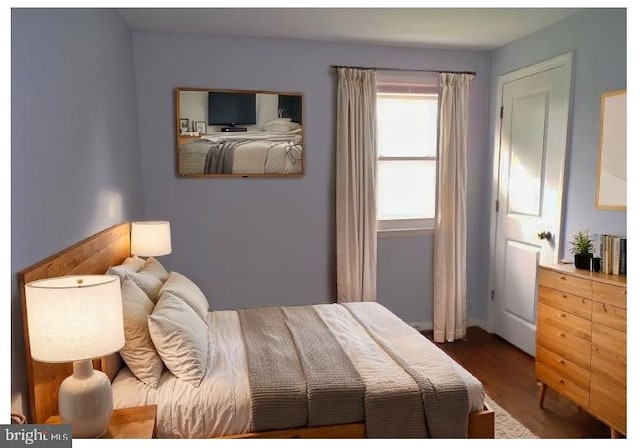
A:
(581, 247)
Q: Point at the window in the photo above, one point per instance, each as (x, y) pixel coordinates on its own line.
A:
(407, 154)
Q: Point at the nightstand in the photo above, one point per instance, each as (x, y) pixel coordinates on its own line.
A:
(127, 423)
(184, 139)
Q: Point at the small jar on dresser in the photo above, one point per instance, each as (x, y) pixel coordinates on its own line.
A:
(581, 340)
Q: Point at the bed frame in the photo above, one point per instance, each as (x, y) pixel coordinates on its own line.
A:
(94, 255)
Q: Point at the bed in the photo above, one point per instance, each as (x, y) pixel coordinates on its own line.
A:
(229, 372)
(244, 153)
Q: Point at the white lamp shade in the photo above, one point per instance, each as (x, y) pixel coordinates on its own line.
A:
(150, 238)
(74, 317)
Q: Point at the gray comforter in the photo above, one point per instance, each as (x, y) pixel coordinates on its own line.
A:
(301, 376)
(219, 158)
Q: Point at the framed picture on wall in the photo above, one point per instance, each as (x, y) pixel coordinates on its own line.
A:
(611, 189)
(184, 125)
(201, 127)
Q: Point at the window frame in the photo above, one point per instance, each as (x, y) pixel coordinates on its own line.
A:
(409, 226)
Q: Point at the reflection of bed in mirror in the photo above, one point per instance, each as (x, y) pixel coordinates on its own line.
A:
(247, 133)
(248, 153)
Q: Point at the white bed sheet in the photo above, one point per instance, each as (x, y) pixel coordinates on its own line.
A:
(221, 405)
(269, 154)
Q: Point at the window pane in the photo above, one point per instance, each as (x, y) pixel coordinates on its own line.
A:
(406, 189)
(407, 125)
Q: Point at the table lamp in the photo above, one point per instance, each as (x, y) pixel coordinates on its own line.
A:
(78, 318)
(150, 238)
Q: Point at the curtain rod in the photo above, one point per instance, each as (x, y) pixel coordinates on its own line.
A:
(385, 69)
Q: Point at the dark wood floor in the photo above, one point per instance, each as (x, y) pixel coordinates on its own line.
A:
(507, 374)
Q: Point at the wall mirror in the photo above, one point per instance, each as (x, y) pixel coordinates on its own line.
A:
(238, 133)
(611, 187)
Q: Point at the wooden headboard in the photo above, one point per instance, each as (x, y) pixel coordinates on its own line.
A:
(92, 255)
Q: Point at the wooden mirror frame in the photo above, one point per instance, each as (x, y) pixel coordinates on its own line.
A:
(282, 148)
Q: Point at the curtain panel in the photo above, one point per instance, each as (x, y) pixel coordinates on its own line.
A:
(450, 239)
(356, 169)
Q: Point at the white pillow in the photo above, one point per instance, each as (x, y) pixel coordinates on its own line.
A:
(147, 282)
(180, 337)
(131, 264)
(188, 291)
(139, 352)
(155, 268)
(281, 125)
(135, 262)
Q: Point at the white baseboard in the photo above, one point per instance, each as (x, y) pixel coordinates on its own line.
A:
(428, 325)
(421, 326)
(473, 322)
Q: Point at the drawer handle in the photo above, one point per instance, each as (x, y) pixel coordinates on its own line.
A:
(562, 335)
(561, 381)
(563, 278)
(561, 361)
(562, 315)
(604, 307)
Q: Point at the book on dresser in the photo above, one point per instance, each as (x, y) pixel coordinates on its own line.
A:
(615, 265)
(612, 250)
(581, 340)
(623, 256)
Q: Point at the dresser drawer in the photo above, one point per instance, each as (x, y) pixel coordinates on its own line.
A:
(563, 385)
(609, 403)
(609, 366)
(610, 316)
(565, 283)
(563, 367)
(565, 321)
(609, 294)
(566, 345)
(570, 303)
(613, 340)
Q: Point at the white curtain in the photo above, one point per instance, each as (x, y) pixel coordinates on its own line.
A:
(356, 167)
(450, 262)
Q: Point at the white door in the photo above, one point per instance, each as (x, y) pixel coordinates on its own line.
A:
(529, 195)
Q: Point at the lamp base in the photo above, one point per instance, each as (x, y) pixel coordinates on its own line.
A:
(85, 401)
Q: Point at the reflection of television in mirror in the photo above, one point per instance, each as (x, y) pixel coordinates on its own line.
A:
(232, 108)
(290, 106)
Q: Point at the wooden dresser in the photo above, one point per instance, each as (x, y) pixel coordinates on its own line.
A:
(581, 340)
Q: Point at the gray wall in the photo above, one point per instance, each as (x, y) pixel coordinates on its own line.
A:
(250, 242)
(75, 156)
(597, 38)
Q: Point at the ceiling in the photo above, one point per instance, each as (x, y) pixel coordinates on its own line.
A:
(468, 28)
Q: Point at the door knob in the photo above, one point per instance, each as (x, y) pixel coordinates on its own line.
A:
(545, 235)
